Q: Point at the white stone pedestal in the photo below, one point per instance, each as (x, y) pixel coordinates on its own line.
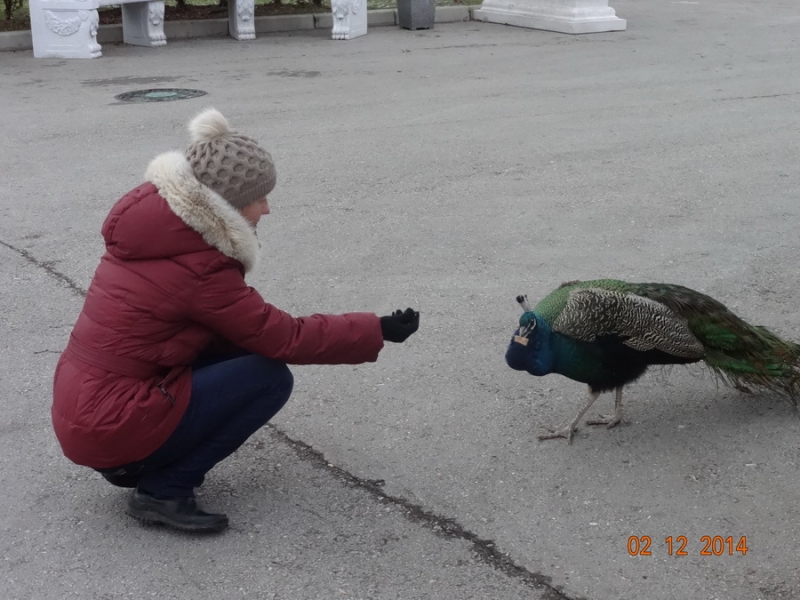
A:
(564, 16)
(349, 19)
(241, 19)
(143, 24)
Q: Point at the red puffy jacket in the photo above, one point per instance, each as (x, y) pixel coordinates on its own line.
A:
(171, 281)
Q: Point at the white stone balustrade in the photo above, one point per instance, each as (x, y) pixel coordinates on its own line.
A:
(349, 19)
(68, 28)
(564, 16)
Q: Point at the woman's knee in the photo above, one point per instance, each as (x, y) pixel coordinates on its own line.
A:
(277, 384)
(284, 379)
(276, 376)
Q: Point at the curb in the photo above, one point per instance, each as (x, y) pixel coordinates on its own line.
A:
(179, 30)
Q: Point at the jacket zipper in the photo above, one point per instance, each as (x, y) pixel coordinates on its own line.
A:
(163, 387)
(167, 394)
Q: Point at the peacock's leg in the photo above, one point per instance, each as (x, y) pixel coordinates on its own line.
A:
(611, 420)
(566, 432)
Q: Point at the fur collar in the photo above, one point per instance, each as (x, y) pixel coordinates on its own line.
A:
(202, 209)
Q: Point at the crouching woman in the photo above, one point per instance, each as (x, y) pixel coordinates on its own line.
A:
(139, 393)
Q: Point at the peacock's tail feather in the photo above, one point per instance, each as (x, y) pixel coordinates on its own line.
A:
(741, 354)
(761, 359)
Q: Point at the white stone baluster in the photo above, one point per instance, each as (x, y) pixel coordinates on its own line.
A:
(143, 24)
(349, 19)
(241, 19)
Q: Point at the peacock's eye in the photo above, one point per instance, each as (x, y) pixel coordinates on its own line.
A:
(527, 323)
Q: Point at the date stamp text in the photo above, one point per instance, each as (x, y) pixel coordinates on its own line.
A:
(717, 545)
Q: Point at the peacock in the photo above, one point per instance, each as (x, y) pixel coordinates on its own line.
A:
(606, 333)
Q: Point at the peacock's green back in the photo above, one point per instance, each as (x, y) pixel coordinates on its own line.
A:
(551, 305)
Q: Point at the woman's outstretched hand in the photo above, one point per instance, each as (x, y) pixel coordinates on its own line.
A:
(398, 326)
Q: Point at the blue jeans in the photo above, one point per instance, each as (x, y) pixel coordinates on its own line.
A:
(231, 399)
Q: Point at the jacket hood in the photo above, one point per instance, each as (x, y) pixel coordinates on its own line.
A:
(175, 214)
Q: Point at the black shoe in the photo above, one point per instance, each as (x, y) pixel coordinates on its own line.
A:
(179, 512)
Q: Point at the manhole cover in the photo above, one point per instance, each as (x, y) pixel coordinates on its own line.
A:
(159, 95)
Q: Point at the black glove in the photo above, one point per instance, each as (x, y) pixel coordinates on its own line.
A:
(399, 325)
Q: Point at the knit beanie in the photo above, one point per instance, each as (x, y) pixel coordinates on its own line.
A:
(231, 164)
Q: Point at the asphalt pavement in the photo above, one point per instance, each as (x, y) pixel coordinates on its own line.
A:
(448, 170)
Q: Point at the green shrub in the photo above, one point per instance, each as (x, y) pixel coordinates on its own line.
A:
(11, 6)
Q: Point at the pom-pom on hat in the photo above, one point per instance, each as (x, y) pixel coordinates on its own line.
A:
(231, 164)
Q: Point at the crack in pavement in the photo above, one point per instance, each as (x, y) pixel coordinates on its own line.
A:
(756, 97)
(47, 267)
(484, 549)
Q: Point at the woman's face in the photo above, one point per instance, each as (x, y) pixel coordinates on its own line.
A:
(252, 212)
